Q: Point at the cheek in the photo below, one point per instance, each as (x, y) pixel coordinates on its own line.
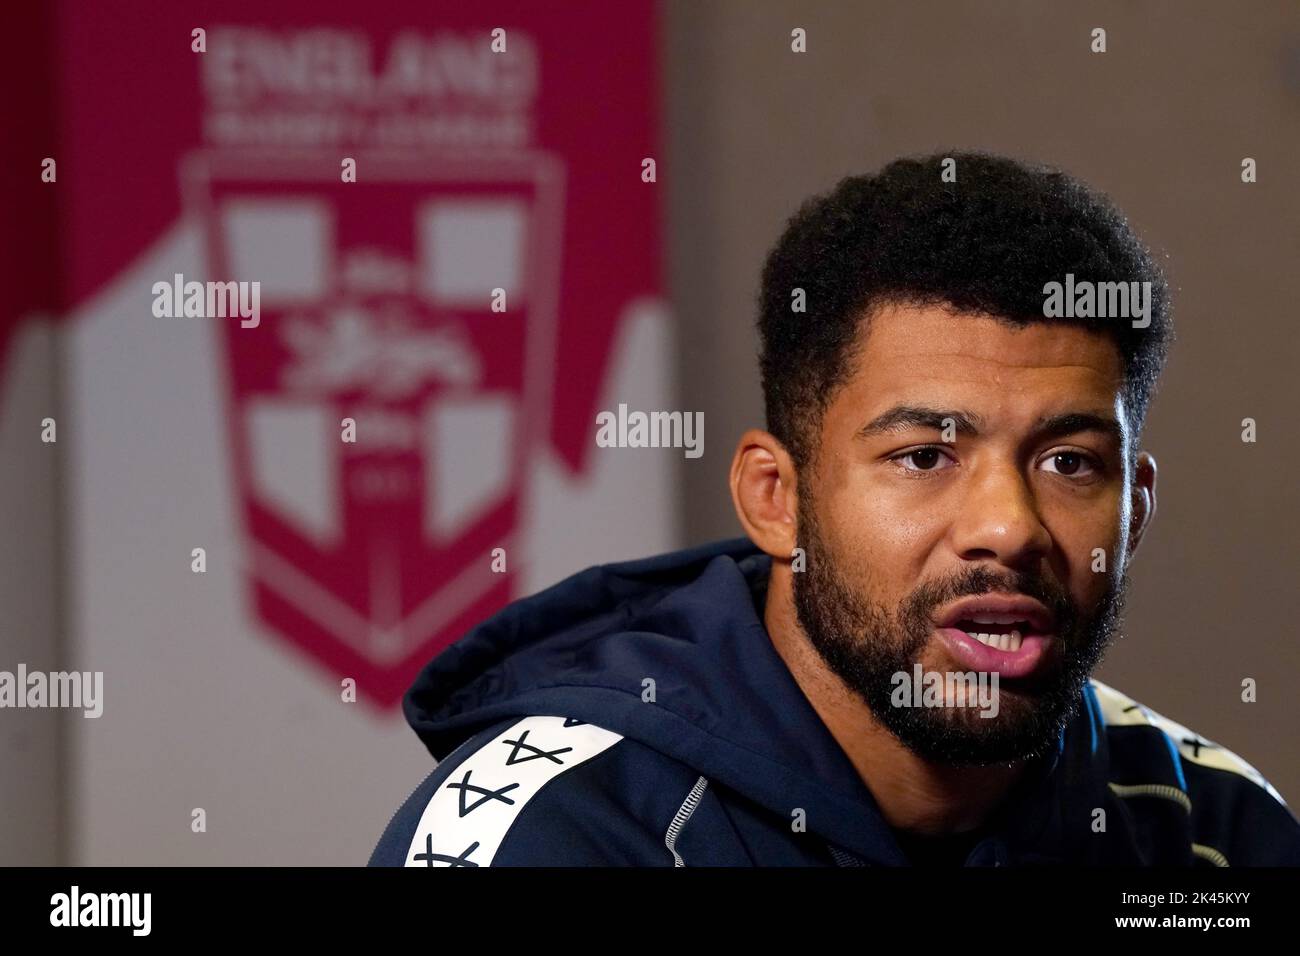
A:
(879, 542)
(1089, 548)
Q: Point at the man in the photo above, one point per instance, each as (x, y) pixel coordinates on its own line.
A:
(893, 667)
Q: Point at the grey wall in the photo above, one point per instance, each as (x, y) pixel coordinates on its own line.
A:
(32, 778)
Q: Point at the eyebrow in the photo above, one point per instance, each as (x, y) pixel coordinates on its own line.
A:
(904, 417)
(1071, 423)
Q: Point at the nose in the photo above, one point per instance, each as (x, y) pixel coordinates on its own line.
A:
(999, 520)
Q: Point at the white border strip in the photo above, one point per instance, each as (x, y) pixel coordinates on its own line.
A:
(494, 791)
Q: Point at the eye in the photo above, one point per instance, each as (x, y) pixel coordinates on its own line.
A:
(1071, 464)
(928, 458)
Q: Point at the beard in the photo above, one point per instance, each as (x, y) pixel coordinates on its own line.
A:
(867, 644)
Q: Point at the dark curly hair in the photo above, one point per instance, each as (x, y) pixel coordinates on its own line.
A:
(986, 243)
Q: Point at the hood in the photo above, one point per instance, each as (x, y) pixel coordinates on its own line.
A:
(724, 701)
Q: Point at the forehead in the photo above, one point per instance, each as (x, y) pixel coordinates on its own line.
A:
(928, 355)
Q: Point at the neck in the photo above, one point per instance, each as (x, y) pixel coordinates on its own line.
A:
(913, 793)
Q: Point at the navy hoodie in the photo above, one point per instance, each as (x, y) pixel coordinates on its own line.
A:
(638, 714)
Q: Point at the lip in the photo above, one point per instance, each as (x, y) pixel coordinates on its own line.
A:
(1038, 648)
(1039, 618)
(1036, 654)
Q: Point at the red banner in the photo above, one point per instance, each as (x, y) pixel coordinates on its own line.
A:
(438, 213)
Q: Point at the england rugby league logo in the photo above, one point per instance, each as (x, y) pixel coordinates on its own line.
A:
(382, 414)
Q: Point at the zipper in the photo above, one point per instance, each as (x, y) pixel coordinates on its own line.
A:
(1209, 853)
(1154, 790)
(679, 819)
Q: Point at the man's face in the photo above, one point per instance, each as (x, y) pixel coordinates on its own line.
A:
(915, 544)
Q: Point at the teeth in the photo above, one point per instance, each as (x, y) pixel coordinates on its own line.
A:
(990, 618)
(1003, 642)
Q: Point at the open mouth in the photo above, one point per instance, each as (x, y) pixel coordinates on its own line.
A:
(1011, 634)
(1001, 632)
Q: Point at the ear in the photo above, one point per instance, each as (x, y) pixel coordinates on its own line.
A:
(1142, 500)
(764, 493)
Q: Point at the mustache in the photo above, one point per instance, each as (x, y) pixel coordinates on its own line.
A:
(918, 609)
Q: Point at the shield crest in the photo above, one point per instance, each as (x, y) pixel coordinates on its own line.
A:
(382, 412)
